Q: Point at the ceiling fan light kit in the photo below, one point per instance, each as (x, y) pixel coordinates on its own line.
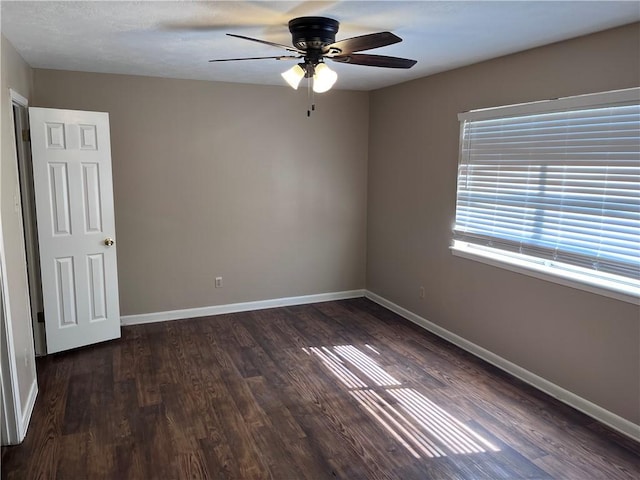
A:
(294, 75)
(314, 40)
(323, 78)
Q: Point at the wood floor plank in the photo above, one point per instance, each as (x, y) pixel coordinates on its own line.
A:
(128, 462)
(73, 456)
(342, 389)
(77, 409)
(290, 436)
(193, 466)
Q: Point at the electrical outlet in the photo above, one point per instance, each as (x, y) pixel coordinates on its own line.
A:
(218, 282)
(421, 292)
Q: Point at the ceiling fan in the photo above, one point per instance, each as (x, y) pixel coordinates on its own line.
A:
(314, 40)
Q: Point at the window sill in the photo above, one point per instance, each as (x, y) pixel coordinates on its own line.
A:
(625, 293)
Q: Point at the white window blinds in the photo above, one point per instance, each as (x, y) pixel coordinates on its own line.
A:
(557, 180)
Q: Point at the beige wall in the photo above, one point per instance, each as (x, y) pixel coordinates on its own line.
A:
(583, 342)
(214, 179)
(17, 75)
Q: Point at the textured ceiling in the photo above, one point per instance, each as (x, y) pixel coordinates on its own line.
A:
(176, 39)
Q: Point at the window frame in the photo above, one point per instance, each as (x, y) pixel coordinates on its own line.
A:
(556, 272)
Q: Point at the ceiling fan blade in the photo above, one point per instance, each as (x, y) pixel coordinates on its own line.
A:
(280, 57)
(289, 49)
(363, 42)
(376, 61)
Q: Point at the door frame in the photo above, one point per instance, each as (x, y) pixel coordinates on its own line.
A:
(14, 420)
(27, 200)
(11, 415)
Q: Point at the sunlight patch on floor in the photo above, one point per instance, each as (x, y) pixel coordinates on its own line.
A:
(416, 422)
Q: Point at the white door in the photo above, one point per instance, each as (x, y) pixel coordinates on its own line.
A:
(71, 154)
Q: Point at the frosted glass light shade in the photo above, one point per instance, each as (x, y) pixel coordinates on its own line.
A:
(323, 78)
(293, 76)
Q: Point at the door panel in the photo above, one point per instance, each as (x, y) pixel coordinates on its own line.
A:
(59, 187)
(74, 210)
(92, 204)
(97, 296)
(65, 297)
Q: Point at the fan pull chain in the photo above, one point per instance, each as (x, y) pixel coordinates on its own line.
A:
(311, 96)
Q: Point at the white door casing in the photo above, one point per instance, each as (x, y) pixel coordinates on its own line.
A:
(71, 153)
(27, 198)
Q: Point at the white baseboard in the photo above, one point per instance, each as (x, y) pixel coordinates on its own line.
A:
(237, 307)
(610, 419)
(28, 410)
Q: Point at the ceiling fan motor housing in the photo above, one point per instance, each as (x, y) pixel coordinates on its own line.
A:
(313, 33)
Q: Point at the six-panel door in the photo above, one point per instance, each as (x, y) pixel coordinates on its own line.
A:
(76, 228)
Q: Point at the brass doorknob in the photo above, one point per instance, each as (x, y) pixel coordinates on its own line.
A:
(108, 242)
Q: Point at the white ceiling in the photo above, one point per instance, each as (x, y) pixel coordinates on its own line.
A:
(176, 38)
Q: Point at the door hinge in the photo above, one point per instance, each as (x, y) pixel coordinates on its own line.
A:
(40, 317)
(26, 135)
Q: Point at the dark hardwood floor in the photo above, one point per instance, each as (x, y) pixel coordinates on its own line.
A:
(333, 390)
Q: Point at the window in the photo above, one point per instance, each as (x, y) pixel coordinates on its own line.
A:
(554, 187)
